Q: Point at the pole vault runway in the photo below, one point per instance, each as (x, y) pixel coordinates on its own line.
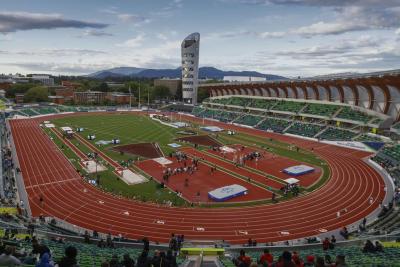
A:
(48, 172)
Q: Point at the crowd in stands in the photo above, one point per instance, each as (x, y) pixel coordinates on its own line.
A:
(289, 259)
(357, 256)
(60, 253)
(9, 186)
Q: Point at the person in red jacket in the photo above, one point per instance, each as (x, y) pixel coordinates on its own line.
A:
(326, 244)
(266, 258)
(245, 260)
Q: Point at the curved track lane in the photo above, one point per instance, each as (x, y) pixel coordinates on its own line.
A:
(47, 172)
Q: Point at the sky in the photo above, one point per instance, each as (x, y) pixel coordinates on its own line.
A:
(284, 37)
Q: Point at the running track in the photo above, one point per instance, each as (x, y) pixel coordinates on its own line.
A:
(46, 171)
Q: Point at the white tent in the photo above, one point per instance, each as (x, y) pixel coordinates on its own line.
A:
(292, 181)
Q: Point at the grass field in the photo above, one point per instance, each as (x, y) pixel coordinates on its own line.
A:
(132, 129)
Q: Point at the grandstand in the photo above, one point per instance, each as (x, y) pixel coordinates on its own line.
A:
(277, 125)
(333, 133)
(279, 130)
(304, 129)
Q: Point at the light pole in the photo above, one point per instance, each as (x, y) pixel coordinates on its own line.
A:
(130, 98)
(139, 95)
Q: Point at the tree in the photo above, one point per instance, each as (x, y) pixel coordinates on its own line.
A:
(161, 92)
(18, 88)
(102, 87)
(202, 94)
(36, 94)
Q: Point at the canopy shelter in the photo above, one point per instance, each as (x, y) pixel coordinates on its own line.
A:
(292, 180)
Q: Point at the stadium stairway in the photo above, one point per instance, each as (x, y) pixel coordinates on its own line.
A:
(290, 125)
(321, 132)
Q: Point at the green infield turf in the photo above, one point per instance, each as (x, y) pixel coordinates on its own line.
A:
(131, 129)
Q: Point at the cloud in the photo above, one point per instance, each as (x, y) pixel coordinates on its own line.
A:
(241, 33)
(355, 18)
(59, 67)
(95, 33)
(126, 17)
(62, 52)
(350, 16)
(319, 2)
(133, 42)
(132, 18)
(22, 21)
(168, 10)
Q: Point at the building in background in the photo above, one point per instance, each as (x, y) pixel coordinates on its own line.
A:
(243, 79)
(118, 98)
(69, 84)
(190, 68)
(66, 92)
(60, 100)
(43, 79)
(89, 97)
(19, 98)
(174, 85)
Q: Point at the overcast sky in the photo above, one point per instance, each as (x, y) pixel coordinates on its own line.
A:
(285, 37)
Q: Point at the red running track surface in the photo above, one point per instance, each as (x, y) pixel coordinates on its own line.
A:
(46, 171)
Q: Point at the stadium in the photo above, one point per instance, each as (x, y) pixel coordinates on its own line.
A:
(334, 138)
(126, 143)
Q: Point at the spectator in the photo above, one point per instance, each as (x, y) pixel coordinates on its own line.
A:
(95, 234)
(326, 244)
(310, 261)
(328, 260)
(159, 260)
(128, 261)
(45, 258)
(378, 246)
(266, 258)
(340, 261)
(345, 233)
(173, 243)
(7, 259)
(296, 260)
(333, 241)
(171, 259)
(143, 260)
(69, 260)
(146, 244)
(114, 262)
(86, 237)
(245, 260)
(285, 260)
(369, 247)
(320, 262)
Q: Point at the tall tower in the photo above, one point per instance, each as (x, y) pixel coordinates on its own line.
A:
(190, 68)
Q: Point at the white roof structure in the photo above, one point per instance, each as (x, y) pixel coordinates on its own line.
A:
(292, 180)
(66, 129)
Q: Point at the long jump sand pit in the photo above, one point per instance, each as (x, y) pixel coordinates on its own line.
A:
(203, 140)
(146, 150)
(91, 167)
(130, 178)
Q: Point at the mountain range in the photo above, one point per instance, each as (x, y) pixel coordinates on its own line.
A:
(204, 72)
